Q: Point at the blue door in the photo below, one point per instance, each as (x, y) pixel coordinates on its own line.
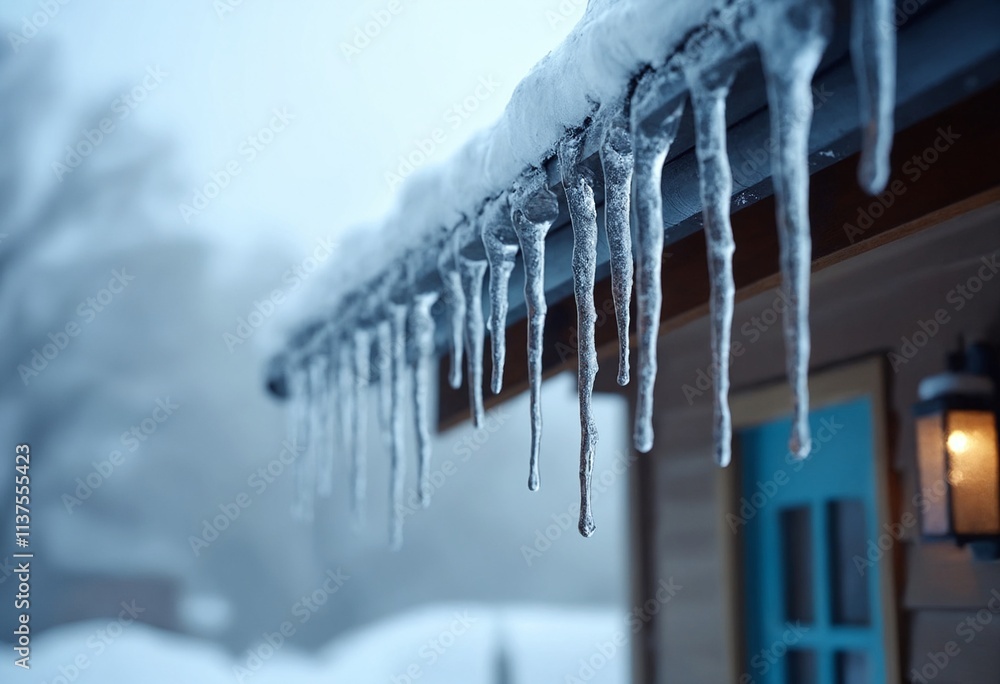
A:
(812, 607)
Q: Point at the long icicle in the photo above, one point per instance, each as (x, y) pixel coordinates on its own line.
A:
(383, 359)
(501, 245)
(651, 150)
(397, 370)
(616, 162)
(873, 52)
(792, 37)
(307, 470)
(708, 100)
(346, 397)
(359, 464)
(472, 271)
(299, 424)
(321, 369)
(454, 299)
(579, 185)
(534, 208)
(422, 334)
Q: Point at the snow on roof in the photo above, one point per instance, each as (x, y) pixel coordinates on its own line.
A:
(610, 45)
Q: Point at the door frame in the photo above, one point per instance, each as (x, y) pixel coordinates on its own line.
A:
(840, 383)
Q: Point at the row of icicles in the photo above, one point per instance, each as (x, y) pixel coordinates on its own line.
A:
(791, 36)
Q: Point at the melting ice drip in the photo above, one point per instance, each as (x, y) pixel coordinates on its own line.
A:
(791, 36)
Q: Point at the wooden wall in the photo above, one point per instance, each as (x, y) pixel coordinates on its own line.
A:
(861, 306)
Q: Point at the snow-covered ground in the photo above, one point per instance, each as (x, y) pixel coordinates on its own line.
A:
(445, 644)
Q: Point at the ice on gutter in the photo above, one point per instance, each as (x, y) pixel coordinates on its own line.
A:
(477, 214)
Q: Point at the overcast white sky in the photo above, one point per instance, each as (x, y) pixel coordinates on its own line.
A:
(229, 63)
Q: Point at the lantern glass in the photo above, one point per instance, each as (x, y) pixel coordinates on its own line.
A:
(973, 472)
(931, 465)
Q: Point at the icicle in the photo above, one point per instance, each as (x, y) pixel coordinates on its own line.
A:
(359, 466)
(500, 242)
(616, 161)
(422, 334)
(346, 406)
(454, 299)
(396, 372)
(298, 427)
(383, 353)
(708, 100)
(472, 271)
(579, 185)
(302, 508)
(792, 36)
(533, 210)
(651, 150)
(321, 368)
(873, 52)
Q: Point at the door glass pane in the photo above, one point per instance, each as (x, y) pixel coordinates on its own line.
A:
(852, 668)
(801, 667)
(848, 537)
(796, 541)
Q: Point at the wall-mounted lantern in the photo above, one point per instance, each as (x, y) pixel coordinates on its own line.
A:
(957, 447)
